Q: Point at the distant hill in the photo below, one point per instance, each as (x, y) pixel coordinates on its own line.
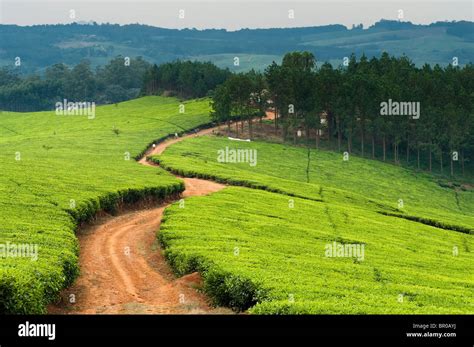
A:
(40, 46)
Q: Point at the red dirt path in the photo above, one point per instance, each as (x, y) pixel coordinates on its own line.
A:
(123, 270)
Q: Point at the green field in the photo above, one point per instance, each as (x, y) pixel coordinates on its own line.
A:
(364, 183)
(257, 252)
(260, 247)
(70, 167)
(423, 44)
(247, 61)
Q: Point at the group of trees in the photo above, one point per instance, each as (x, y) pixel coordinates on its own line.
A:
(186, 79)
(121, 79)
(241, 97)
(344, 104)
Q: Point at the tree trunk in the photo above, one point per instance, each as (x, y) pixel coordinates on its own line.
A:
(398, 153)
(339, 135)
(418, 155)
(441, 161)
(462, 162)
(452, 167)
(317, 138)
(349, 142)
(329, 118)
(373, 146)
(362, 133)
(396, 156)
(429, 149)
(275, 113)
(408, 151)
(236, 129)
(250, 127)
(384, 148)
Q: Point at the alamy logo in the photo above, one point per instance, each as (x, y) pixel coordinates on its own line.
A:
(345, 250)
(69, 108)
(37, 330)
(24, 250)
(400, 108)
(239, 155)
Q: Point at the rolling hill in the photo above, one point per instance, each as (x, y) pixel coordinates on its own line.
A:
(260, 246)
(59, 171)
(264, 249)
(44, 45)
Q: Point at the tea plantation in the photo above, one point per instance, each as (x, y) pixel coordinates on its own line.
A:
(265, 249)
(58, 171)
(326, 176)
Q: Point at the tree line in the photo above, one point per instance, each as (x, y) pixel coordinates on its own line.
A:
(186, 79)
(120, 79)
(348, 106)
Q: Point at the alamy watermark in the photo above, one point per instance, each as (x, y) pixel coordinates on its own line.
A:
(69, 108)
(400, 108)
(345, 250)
(239, 155)
(28, 329)
(23, 250)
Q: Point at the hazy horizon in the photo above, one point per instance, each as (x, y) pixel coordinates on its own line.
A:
(232, 15)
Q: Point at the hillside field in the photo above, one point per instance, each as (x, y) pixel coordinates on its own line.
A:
(325, 175)
(260, 244)
(58, 171)
(265, 250)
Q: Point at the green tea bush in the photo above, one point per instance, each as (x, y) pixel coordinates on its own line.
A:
(416, 254)
(70, 169)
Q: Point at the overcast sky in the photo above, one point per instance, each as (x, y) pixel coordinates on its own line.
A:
(231, 14)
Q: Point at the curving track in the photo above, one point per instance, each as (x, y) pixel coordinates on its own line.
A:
(123, 270)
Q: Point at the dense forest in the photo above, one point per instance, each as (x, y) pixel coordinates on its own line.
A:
(185, 79)
(121, 79)
(347, 105)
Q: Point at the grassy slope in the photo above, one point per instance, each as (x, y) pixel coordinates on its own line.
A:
(66, 158)
(372, 184)
(422, 44)
(247, 60)
(281, 249)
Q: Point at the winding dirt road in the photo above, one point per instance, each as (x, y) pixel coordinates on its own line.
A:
(123, 270)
